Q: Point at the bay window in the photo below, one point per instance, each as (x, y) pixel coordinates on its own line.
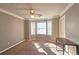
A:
(41, 27)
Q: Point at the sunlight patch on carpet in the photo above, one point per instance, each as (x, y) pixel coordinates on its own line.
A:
(39, 49)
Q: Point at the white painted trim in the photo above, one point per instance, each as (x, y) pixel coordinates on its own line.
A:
(11, 46)
(10, 13)
(66, 8)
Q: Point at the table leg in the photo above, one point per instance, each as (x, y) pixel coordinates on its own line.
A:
(63, 49)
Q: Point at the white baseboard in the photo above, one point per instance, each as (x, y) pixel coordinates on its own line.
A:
(11, 47)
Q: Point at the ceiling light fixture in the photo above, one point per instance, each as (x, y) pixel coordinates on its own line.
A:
(33, 14)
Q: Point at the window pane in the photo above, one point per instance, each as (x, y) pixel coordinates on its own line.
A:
(49, 23)
(41, 28)
(32, 28)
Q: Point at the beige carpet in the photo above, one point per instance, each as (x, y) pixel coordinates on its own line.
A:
(33, 47)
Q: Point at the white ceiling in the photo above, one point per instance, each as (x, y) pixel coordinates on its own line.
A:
(48, 10)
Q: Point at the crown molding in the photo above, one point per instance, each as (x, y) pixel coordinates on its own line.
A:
(10, 13)
(66, 8)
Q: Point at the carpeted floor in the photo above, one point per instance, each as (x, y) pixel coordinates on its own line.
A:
(33, 47)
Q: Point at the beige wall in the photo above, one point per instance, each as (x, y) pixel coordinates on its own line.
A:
(55, 28)
(11, 30)
(26, 29)
(72, 23)
(62, 27)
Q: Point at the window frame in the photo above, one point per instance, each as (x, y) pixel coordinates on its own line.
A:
(46, 27)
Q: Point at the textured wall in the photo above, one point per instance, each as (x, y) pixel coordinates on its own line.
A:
(11, 30)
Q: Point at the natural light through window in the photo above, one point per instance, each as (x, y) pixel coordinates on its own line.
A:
(39, 49)
(49, 25)
(32, 28)
(42, 50)
(52, 47)
(37, 45)
(41, 27)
